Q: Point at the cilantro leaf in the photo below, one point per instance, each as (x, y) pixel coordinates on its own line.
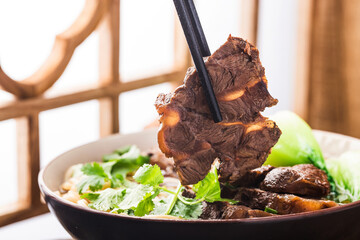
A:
(186, 211)
(94, 179)
(149, 174)
(123, 150)
(208, 189)
(146, 205)
(93, 169)
(126, 160)
(105, 200)
(133, 152)
(93, 183)
(135, 195)
(179, 210)
(138, 201)
(90, 196)
(117, 180)
(129, 154)
(160, 206)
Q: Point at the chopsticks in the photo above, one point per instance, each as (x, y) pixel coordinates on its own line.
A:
(199, 48)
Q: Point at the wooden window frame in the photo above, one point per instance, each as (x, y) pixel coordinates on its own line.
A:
(103, 16)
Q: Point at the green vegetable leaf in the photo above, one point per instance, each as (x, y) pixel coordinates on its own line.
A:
(296, 142)
(160, 206)
(90, 196)
(208, 189)
(93, 169)
(186, 211)
(149, 174)
(126, 160)
(94, 179)
(123, 150)
(179, 210)
(346, 173)
(93, 183)
(296, 145)
(146, 205)
(270, 210)
(135, 195)
(105, 200)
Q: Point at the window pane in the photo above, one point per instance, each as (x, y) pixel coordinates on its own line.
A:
(277, 46)
(5, 96)
(83, 68)
(28, 40)
(8, 162)
(219, 19)
(67, 127)
(146, 38)
(137, 108)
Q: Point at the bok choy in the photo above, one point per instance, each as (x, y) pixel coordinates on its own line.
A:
(297, 145)
(346, 172)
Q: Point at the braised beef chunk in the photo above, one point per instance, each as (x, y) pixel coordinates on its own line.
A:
(189, 193)
(239, 211)
(212, 210)
(224, 210)
(282, 203)
(303, 179)
(165, 164)
(242, 140)
(254, 177)
(227, 191)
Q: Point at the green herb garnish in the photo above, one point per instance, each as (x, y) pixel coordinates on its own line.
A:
(94, 179)
(270, 210)
(138, 197)
(208, 189)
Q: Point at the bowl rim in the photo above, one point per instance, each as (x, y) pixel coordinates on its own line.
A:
(45, 190)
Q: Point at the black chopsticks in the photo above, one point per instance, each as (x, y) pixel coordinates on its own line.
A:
(199, 48)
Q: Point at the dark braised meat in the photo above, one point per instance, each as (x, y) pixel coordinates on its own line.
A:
(282, 203)
(212, 210)
(239, 211)
(242, 140)
(224, 210)
(254, 177)
(165, 164)
(189, 193)
(303, 179)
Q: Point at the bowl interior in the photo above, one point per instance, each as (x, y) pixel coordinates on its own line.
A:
(332, 145)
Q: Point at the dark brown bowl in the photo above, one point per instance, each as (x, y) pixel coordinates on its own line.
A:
(341, 222)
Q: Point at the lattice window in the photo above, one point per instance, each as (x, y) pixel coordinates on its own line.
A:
(35, 94)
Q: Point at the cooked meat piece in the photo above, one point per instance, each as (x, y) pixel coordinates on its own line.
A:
(282, 203)
(239, 211)
(242, 140)
(189, 193)
(227, 191)
(224, 210)
(303, 179)
(254, 177)
(212, 210)
(165, 164)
